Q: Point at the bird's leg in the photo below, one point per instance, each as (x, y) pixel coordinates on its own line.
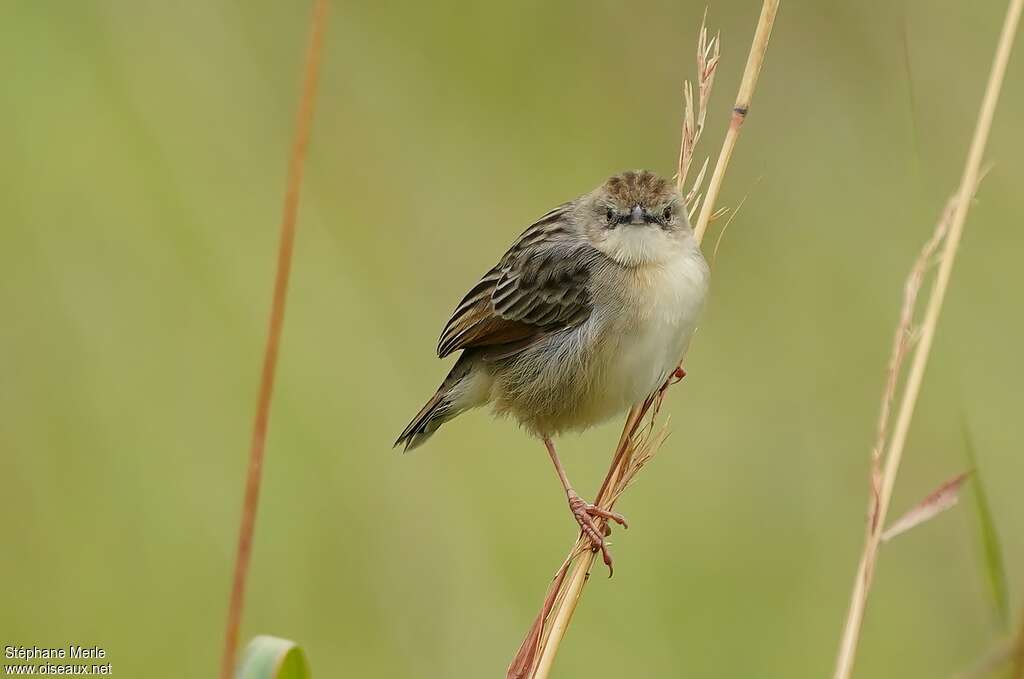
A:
(584, 512)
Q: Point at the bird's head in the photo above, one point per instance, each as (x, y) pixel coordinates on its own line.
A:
(636, 218)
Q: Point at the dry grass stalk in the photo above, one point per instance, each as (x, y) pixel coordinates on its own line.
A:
(536, 653)
(694, 117)
(739, 112)
(882, 487)
(638, 442)
(303, 122)
(637, 446)
(902, 341)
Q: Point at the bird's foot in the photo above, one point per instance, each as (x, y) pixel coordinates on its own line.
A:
(586, 516)
(675, 378)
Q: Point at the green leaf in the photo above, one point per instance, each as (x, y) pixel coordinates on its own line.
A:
(991, 548)
(269, 657)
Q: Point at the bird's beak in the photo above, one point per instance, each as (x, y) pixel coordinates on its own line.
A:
(637, 216)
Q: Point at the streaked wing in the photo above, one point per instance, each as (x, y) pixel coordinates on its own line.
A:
(538, 287)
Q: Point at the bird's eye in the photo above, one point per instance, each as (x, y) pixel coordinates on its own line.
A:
(667, 213)
(609, 214)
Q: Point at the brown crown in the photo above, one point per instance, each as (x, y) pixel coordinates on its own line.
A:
(639, 187)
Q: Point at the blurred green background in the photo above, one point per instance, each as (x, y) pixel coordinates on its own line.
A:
(144, 154)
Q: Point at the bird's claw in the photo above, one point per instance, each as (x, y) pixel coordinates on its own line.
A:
(675, 377)
(587, 516)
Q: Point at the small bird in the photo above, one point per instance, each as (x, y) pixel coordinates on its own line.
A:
(588, 313)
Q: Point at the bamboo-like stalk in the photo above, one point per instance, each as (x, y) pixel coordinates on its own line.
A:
(740, 109)
(537, 654)
(572, 591)
(303, 123)
(883, 487)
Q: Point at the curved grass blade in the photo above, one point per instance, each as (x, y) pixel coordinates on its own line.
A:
(991, 547)
(996, 658)
(269, 657)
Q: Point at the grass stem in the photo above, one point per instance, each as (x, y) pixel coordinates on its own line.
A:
(303, 123)
(740, 109)
(537, 654)
(883, 488)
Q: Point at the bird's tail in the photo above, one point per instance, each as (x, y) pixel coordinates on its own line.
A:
(453, 397)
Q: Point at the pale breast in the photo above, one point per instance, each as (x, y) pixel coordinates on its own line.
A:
(642, 323)
(658, 305)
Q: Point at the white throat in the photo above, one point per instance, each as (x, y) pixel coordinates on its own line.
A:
(634, 246)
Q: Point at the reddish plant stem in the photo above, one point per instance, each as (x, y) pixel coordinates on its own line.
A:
(303, 123)
(633, 419)
(523, 664)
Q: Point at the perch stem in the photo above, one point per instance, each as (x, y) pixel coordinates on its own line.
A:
(740, 109)
(551, 635)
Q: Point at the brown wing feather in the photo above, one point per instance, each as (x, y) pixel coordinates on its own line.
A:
(538, 287)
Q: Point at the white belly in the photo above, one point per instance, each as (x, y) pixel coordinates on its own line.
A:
(662, 307)
(641, 325)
